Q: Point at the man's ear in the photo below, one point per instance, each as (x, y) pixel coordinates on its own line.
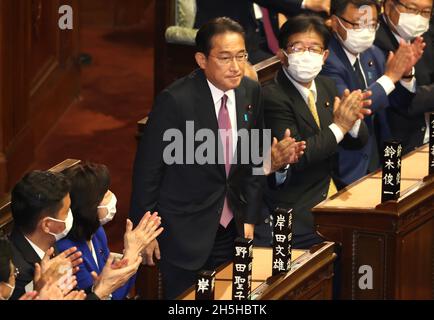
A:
(282, 57)
(200, 59)
(334, 23)
(326, 55)
(44, 225)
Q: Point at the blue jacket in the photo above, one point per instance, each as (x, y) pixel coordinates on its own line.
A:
(353, 164)
(84, 277)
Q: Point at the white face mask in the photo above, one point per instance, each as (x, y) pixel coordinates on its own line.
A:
(68, 225)
(357, 41)
(304, 67)
(111, 210)
(10, 293)
(410, 25)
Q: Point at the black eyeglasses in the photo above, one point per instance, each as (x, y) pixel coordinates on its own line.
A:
(360, 26)
(426, 13)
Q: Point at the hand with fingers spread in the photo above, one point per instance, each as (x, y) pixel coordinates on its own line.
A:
(350, 108)
(50, 291)
(137, 239)
(113, 276)
(56, 267)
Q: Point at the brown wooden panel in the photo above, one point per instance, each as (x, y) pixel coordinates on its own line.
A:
(415, 276)
(39, 78)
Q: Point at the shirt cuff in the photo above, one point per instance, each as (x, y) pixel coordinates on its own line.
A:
(354, 132)
(303, 4)
(387, 84)
(280, 177)
(339, 135)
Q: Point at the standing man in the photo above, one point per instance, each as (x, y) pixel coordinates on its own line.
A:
(355, 63)
(204, 206)
(309, 106)
(408, 21)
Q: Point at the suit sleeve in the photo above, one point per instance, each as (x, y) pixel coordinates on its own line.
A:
(279, 116)
(255, 183)
(149, 167)
(423, 101)
(379, 97)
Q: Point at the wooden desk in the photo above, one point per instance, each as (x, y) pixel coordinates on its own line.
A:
(310, 276)
(395, 238)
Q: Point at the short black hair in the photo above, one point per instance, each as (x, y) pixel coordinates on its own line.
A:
(338, 7)
(215, 27)
(89, 183)
(36, 195)
(304, 23)
(5, 259)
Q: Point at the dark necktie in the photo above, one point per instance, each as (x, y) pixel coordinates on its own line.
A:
(359, 75)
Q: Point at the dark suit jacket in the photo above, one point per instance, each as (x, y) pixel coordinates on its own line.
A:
(24, 258)
(407, 121)
(84, 276)
(190, 197)
(309, 179)
(242, 12)
(353, 165)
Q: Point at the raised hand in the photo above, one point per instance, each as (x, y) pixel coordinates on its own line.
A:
(112, 278)
(283, 152)
(136, 240)
(56, 267)
(350, 108)
(318, 5)
(417, 48)
(398, 63)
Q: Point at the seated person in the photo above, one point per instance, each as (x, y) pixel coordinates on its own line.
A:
(307, 105)
(93, 205)
(49, 291)
(40, 206)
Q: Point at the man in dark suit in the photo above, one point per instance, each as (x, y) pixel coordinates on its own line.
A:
(204, 205)
(307, 104)
(354, 63)
(40, 205)
(242, 11)
(408, 21)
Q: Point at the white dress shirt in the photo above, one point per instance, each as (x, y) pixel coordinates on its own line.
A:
(217, 96)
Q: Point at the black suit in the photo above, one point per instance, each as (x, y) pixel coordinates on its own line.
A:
(308, 180)
(407, 122)
(24, 258)
(242, 12)
(190, 197)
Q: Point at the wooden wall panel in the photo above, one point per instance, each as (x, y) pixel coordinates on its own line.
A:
(39, 78)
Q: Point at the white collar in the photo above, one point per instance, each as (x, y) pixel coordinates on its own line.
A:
(303, 90)
(39, 251)
(351, 57)
(217, 94)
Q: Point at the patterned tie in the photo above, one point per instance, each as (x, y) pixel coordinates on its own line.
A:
(225, 130)
(312, 107)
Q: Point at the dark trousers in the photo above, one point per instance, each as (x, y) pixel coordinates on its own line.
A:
(177, 280)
